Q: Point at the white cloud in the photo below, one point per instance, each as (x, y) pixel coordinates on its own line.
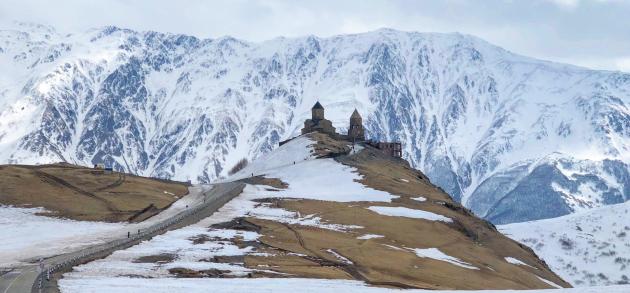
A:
(570, 4)
(623, 64)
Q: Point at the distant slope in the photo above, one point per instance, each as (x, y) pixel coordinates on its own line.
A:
(587, 249)
(315, 208)
(81, 193)
(511, 137)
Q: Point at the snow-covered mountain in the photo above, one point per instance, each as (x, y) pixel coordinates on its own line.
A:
(511, 137)
(587, 248)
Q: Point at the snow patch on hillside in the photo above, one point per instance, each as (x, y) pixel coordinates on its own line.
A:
(326, 179)
(310, 178)
(180, 245)
(516, 261)
(298, 150)
(369, 236)
(409, 213)
(436, 254)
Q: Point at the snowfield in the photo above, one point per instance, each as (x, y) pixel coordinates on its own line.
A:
(25, 235)
(295, 164)
(177, 243)
(590, 248)
(308, 181)
(170, 285)
(300, 149)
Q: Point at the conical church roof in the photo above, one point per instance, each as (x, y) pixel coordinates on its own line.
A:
(355, 114)
(318, 106)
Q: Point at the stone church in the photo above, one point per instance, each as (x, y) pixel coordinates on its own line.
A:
(318, 122)
(356, 132)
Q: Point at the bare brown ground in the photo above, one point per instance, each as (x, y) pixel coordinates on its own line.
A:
(260, 180)
(304, 251)
(210, 273)
(86, 194)
(326, 146)
(159, 258)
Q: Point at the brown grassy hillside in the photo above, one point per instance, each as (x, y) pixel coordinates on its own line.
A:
(294, 250)
(82, 193)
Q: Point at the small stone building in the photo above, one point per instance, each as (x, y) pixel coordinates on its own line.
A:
(393, 149)
(318, 122)
(355, 131)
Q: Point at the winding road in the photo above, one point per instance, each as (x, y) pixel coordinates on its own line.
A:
(29, 279)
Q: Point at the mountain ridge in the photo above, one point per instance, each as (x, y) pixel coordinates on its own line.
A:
(474, 117)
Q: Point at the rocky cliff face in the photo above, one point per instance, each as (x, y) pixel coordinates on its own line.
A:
(511, 137)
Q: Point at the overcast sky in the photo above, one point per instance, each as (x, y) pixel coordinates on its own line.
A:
(591, 33)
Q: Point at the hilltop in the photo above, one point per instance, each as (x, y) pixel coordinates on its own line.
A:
(322, 208)
(48, 210)
(89, 194)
